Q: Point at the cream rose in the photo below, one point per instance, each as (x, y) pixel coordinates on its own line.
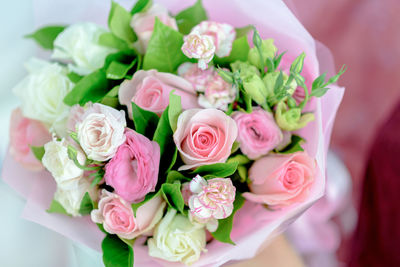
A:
(177, 239)
(79, 43)
(101, 131)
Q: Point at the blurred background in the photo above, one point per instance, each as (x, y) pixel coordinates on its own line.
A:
(363, 34)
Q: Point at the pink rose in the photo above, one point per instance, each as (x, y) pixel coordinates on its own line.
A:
(133, 171)
(204, 136)
(200, 47)
(76, 115)
(197, 77)
(24, 133)
(258, 132)
(143, 24)
(281, 179)
(212, 199)
(117, 216)
(150, 90)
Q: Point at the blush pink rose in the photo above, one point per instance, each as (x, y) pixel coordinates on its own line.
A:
(143, 24)
(133, 171)
(118, 218)
(280, 180)
(150, 91)
(258, 132)
(24, 133)
(204, 136)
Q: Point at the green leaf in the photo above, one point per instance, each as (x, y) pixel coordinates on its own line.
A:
(164, 50)
(74, 77)
(240, 159)
(173, 195)
(148, 197)
(337, 76)
(119, 21)
(235, 147)
(278, 83)
(173, 161)
(319, 92)
(223, 232)
(38, 152)
(90, 88)
(244, 31)
(101, 228)
(190, 17)
(175, 109)
(111, 98)
(87, 205)
(219, 170)
(56, 207)
(45, 36)
(111, 40)
(117, 70)
(176, 176)
(116, 253)
(294, 146)
(145, 121)
(140, 6)
(319, 81)
(240, 51)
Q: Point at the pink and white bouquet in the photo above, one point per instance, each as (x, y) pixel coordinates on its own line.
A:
(183, 139)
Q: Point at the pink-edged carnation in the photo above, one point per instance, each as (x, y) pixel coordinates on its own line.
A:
(133, 171)
(258, 132)
(197, 77)
(200, 47)
(281, 180)
(118, 218)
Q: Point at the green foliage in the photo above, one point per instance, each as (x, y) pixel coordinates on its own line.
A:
(175, 109)
(176, 176)
(319, 86)
(140, 6)
(56, 207)
(111, 98)
(117, 70)
(294, 146)
(173, 195)
(150, 196)
(119, 21)
(109, 39)
(244, 31)
(87, 205)
(219, 170)
(190, 17)
(145, 121)
(116, 253)
(38, 152)
(240, 51)
(45, 36)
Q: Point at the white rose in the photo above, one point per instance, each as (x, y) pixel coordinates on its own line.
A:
(101, 131)
(63, 169)
(71, 199)
(42, 92)
(177, 239)
(79, 43)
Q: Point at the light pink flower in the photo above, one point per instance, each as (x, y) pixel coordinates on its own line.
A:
(212, 199)
(101, 131)
(117, 215)
(280, 180)
(133, 171)
(24, 133)
(186, 193)
(75, 116)
(258, 132)
(150, 90)
(197, 77)
(222, 35)
(143, 24)
(200, 47)
(204, 136)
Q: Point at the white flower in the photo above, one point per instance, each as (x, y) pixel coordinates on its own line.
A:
(42, 92)
(71, 199)
(63, 169)
(101, 131)
(79, 43)
(177, 239)
(199, 46)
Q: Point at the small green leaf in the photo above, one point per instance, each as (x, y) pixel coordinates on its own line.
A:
(145, 121)
(337, 76)
(116, 253)
(240, 51)
(87, 205)
(176, 176)
(164, 50)
(223, 232)
(175, 109)
(319, 92)
(45, 36)
(148, 197)
(243, 173)
(190, 17)
(277, 59)
(140, 6)
(111, 40)
(38, 152)
(173, 161)
(119, 21)
(74, 77)
(101, 228)
(319, 81)
(173, 195)
(117, 70)
(56, 207)
(244, 31)
(294, 146)
(278, 83)
(235, 147)
(220, 170)
(111, 98)
(240, 159)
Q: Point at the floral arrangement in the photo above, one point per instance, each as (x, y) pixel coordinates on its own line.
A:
(162, 127)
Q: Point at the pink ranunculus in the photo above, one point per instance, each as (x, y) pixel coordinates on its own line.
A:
(200, 47)
(117, 215)
(204, 136)
(212, 199)
(143, 24)
(197, 77)
(150, 90)
(281, 180)
(258, 132)
(133, 171)
(222, 34)
(24, 133)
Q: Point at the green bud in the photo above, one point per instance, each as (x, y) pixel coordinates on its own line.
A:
(297, 65)
(291, 119)
(226, 75)
(291, 102)
(245, 69)
(270, 81)
(268, 49)
(255, 88)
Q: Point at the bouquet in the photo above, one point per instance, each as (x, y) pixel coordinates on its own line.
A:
(178, 139)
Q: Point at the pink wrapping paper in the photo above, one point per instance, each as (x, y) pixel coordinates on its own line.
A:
(254, 226)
